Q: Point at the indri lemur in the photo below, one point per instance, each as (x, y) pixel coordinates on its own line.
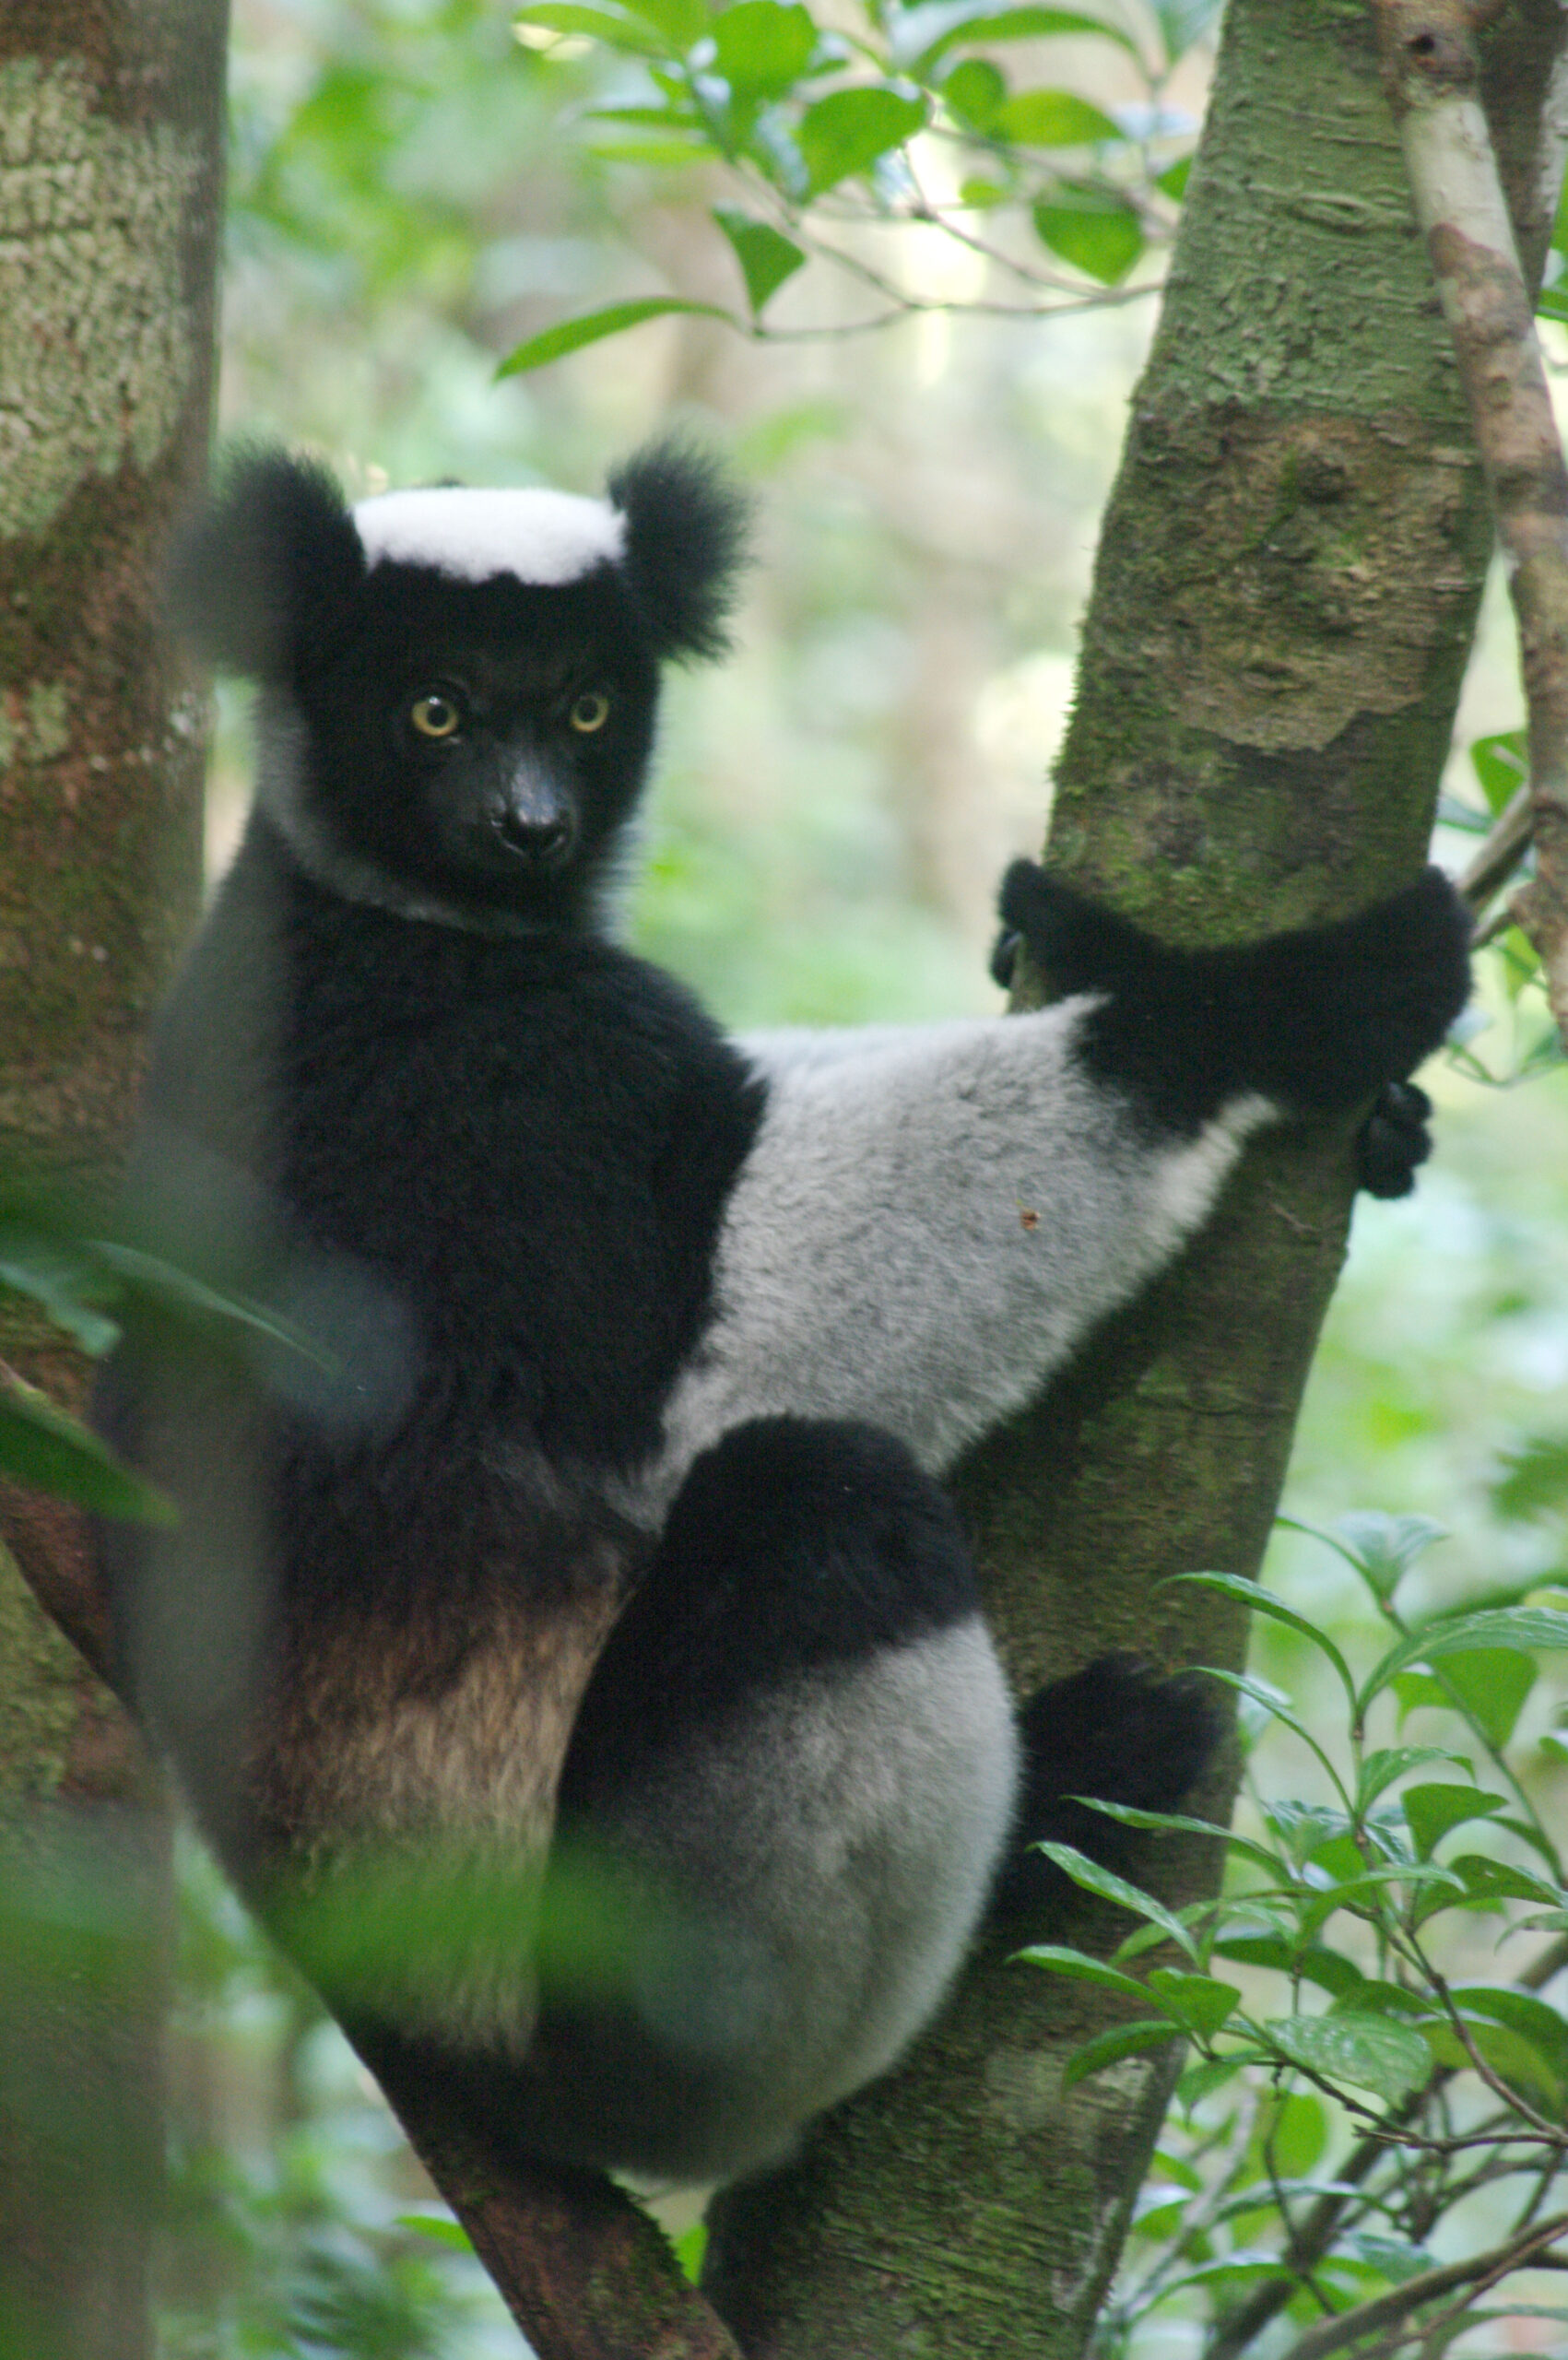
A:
(600, 1313)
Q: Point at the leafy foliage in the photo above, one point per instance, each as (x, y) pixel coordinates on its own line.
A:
(1348, 2027)
(928, 114)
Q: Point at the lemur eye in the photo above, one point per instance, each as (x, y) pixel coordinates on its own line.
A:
(435, 715)
(591, 711)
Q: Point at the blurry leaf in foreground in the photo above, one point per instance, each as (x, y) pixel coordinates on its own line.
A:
(847, 132)
(553, 344)
(766, 256)
(40, 1445)
(1096, 232)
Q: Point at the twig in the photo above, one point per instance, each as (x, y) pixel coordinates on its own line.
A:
(1326, 2219)
(1482, 2269)
(1433, 80)
(1510, 837)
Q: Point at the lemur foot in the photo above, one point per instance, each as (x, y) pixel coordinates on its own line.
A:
(1119, 1732)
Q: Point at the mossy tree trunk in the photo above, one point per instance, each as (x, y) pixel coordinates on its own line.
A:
(1282, 606)
(110, 119)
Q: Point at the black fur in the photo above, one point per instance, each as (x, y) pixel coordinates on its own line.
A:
(265, 580)
(794, 1543)
(1394, 1141)
(686, 542)
(1184, 1030)
(1116, 1731)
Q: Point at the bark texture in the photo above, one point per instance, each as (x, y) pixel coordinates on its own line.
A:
(1282, 605)
(109, 123)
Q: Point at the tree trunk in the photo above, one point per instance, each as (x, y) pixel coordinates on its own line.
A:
(1282, 606)
(110, 177)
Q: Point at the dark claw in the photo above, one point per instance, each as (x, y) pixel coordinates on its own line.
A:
(1392, 1140)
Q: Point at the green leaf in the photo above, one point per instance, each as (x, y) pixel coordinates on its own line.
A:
(1381, 1769)
(1430, 1811)
(1488, 1880)
(844, 133)
(690, 2250)
(1201, 2080)
(1311, 1961)
(1176, 1822)
(1502, 763)
(1054, 119)
(572, 335)
(920, 36)
(1533, 1480)
(1531, 2020)
(1275, 1706)
(1082, 1967)
(766, 256)
(1298, 2133)
(763, 46)
(1259, 1600)
(1382, 1548)
(449, 2233)
(63, 1284)
(1094, 1879)
(1199, 2003)
(974, 93)
(616, 28)
(1516, 1628)
(41, 1445)
(1515, 2060)
(1174, 182)
(1370, 2052)
(1110, 2047)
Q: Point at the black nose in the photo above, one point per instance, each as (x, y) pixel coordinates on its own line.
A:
(544, 841)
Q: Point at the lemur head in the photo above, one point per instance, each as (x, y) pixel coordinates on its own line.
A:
(459, 687)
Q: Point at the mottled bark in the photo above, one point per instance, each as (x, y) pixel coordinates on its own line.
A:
(110, 115)
(1283, 601)
(1432, 77)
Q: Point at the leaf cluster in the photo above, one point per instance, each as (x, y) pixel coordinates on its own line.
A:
(1320, 1999)
(925, 114)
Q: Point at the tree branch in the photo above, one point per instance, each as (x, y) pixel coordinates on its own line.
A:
(1433, 78)
(1388, 2310)
(583, 2271)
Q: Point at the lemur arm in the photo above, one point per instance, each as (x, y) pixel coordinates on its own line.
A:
(930, 1220)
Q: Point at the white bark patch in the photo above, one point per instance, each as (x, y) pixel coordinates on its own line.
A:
(96, 357)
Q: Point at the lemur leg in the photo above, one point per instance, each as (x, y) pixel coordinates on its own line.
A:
(790, 1784)
(1114, 1731)
(929, 1221)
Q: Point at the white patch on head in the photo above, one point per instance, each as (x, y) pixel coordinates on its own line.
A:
(546, 538)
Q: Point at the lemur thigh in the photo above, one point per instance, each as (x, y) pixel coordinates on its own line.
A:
(927, 1224)
(789, 1786)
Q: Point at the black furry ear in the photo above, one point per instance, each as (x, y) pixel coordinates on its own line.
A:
(686, 542)
(263, 579)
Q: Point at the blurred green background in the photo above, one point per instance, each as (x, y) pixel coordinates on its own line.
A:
(411, 194)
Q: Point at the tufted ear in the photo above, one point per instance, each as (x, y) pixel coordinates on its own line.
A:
(686, 542)
(262, 580)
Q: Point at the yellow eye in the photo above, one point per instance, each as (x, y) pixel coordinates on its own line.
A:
(435, 715)
(591, 711)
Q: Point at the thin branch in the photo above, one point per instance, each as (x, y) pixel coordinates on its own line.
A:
(1509, 839)
(1433, 78)
(1326, 2218)
(1480, 2270)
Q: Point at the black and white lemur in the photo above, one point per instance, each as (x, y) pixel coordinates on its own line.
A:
(605, 1313)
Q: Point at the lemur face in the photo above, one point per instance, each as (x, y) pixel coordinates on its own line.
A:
(484, 742)
(459, 686)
